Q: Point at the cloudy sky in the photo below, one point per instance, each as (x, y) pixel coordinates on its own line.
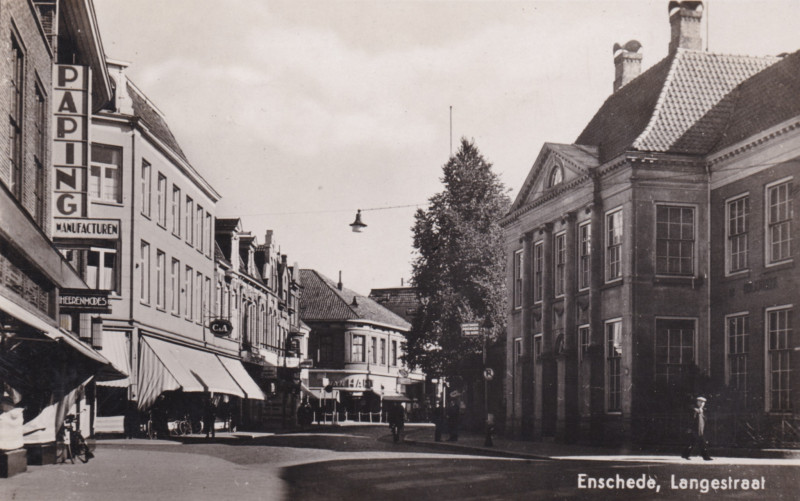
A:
(300, 112)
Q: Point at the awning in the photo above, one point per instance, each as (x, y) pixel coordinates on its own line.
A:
(116, 348)
(106, 372)
(242, 378)
(394, 397)
(166, 366)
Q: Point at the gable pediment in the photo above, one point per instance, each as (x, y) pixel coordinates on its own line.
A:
(556, 165)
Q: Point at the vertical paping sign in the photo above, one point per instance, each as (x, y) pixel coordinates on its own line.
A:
(71, 121)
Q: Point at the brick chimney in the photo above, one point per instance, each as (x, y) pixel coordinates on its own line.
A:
(627, 63)
(685, 19)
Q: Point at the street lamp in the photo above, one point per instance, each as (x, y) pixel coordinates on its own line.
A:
(358, 225)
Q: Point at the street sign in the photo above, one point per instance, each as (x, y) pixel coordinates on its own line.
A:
(472, 329)
(488, 373)
(402, 373)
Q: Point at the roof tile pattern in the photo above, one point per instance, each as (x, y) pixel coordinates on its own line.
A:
(322, 300)
(655, 110)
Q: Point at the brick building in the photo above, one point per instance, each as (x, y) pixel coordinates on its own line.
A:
(621, 306)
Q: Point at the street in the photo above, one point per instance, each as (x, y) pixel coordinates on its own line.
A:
(363, 463)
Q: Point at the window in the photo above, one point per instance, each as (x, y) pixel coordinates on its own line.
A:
(175, 284)
(614, 245)
(39, 124)
(674, 240)
(394, 353)
(560, 252)
(779, 218)
(584, 254)
(209, 236)
(374, 349)
(105, 174)
(325, 348)
(208, 295)
(738, 212)
(198, 292)
(614, 366)
(556, 176)
(518, 279)
(188, 303)
(144, 272)
(16, 114)
(189, 223)
(583, 342)
(161, 279)
(537, 346)
(176, 211)
(144, 189)
(538, 269)
(161, 200)
(357, 354)
(779, 356)
(738, 332)
(198, 231)
(101, 268)
(674, 350)
(517, 351)
(383, 352)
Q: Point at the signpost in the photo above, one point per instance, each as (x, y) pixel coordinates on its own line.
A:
(474, 329)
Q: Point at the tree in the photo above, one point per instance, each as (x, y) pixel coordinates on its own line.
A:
(459, 266)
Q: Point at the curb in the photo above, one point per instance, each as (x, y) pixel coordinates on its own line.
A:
(484, 451)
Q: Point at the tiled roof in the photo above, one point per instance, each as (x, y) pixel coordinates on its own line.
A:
(219, 255)
(154, 121)
(226, 224)
(765, 100)
(655, 110)
(323, 301)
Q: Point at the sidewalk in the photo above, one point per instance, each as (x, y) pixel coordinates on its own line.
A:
(526, 449)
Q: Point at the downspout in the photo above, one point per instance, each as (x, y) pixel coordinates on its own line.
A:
(708, 269)
(133, 387)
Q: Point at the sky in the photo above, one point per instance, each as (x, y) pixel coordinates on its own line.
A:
(300, 112)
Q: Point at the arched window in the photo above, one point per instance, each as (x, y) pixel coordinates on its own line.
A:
(556, 176)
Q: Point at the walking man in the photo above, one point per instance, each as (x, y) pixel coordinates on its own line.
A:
(696, 432)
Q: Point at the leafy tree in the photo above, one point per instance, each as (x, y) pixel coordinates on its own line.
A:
(459, 266)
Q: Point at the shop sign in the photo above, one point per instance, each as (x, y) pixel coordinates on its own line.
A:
(352, 382)
(71, 99)
(306, 364)
(269, 372)
(86, 228)
(83, 301)
(220, 327)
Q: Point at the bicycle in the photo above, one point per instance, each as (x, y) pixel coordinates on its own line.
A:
(70, 444)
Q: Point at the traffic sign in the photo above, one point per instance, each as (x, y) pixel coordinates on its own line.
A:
(488, 373)
(472, 329)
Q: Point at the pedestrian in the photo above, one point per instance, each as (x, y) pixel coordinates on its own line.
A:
(452, 421)
(131, 420)
(396, 420)
(210, 417)
(489, 442)
(696, 432)
(438, 422)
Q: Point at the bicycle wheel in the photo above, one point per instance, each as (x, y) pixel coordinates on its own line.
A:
(63, 452)
(150, 431)
(81, 450)
(184, 428)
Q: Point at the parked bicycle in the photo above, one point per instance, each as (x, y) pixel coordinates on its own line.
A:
(180, 427)
(70, 444)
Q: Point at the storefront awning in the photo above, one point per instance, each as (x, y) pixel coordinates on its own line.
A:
(242, 378)
(106, 371)
(166, 366)
(116, 348)
(395, 397)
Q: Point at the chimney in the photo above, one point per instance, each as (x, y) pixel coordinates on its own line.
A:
(685, 18)
(340, 285)
(627, 63)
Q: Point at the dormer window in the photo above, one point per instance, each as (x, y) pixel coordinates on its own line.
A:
(556, 176)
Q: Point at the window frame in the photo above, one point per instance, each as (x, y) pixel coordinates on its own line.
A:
(687, 366)
(394, 354)
(617, 248)
(584, 341)
(584, 255)
(144, 272)
(161, 280)
(189, 220)
(517, 277)
(729, 236)
(769, 225)
(768, 359)
(538, 271)
(556, 176)
(16, 116)
(741, 386)
(146, 188)
(40, 194)
(175, 287)
(177, 202)
(199, 240)
(358, 355)
(101, 269)
(668, 206)
(559, 263)
(613, 405)
(188, 287)
(161, 200)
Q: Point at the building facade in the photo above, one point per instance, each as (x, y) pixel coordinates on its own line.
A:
(258, 293)
(44, 368)
(356, 346)
(145, 234)
(621, 306)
